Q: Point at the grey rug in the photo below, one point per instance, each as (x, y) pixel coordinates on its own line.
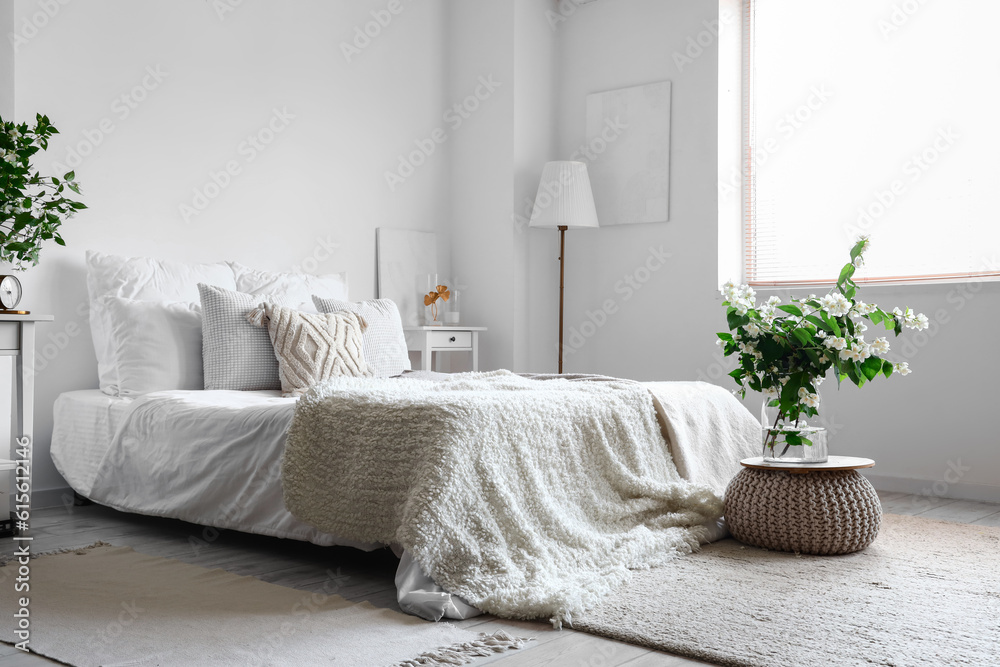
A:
(105, 605)
(925, 593)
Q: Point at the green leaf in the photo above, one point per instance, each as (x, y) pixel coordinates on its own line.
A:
(738, 374)
(725, 336)
(794, 310)
(875, 317)
(793, 439)
(831, 324)
(887, 368)
(871, 367)
(735, 320)
(856, 250)
(803, 336)
(846, 273)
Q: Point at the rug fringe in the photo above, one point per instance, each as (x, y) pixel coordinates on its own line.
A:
(461, 654)
(55, 552)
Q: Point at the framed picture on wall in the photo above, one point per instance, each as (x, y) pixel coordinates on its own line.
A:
(628, 133)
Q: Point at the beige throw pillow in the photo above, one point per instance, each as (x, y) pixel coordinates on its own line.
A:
(313, 347)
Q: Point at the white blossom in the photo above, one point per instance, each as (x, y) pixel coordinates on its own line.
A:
(753, 330)
(880, 345)
(836, 342)
(808, 398)
(917, 321)
(720, 343)
(859, 261)
(821, 334)
(770, 392)
(861, 326)
(903, 368)
(773, 301)
(835, 304)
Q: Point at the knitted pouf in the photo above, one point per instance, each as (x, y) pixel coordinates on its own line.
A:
(822, 512)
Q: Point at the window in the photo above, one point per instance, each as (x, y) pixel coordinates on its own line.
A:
(871, 118)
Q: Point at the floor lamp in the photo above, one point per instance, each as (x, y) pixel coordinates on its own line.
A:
(564, 201)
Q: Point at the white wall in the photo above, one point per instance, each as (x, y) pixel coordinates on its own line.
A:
(604, 46)
(321, 179)
(930, 432)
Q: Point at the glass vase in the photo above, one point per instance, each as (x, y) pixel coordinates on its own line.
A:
(785, 442)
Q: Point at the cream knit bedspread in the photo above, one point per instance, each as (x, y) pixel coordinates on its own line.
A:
(527, 498)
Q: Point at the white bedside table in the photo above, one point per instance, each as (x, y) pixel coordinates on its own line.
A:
(428, 340)
(17, 339)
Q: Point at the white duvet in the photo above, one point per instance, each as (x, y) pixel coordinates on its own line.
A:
(212, 458)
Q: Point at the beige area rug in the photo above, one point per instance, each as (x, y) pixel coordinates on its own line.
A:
(925, 593)
(106, 605)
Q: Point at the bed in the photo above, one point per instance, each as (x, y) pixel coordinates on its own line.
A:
(220, 456)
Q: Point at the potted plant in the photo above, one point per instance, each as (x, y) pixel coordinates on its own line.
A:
(786, 350)
(32, 206)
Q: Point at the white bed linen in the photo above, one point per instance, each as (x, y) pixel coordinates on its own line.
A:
(212, 458)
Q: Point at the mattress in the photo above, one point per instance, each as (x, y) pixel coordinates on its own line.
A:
(212, 458)
(85, 421)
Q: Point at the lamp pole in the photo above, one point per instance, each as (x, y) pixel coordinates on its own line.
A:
(562, 284)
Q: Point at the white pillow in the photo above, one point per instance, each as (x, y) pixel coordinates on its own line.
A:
(140, 279)
(384, 342)
(156, 345)
(295, 289)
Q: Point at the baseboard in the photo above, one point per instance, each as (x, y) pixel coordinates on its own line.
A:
(935, 488)
(61, 497)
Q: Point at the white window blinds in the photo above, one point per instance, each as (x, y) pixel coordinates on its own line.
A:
(872, 118)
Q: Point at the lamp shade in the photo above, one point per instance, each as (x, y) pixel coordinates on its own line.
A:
(564, 197)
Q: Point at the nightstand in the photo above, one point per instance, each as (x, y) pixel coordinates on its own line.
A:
(427, 340)
(17, 339)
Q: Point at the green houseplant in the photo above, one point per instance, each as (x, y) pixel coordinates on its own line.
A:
(786, 350)
(32, 206)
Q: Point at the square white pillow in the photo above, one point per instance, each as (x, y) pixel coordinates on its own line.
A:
(295, 289)
(156, 345)
(384, 342)
(140, 279)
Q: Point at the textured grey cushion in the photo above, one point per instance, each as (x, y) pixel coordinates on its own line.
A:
(236, 354)
(384, 342)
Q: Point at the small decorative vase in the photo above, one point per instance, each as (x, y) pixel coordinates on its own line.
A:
(791, 443)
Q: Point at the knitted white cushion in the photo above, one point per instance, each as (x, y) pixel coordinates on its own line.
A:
(313, 347)
(384, 341)
(236, 354)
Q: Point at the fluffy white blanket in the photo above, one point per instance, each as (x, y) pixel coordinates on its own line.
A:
(527, 498)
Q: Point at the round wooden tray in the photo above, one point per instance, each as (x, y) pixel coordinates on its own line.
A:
(833, 463)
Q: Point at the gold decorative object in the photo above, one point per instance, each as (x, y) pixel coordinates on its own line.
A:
(431, 299)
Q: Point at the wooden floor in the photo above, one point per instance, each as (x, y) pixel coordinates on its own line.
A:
(369, 576)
